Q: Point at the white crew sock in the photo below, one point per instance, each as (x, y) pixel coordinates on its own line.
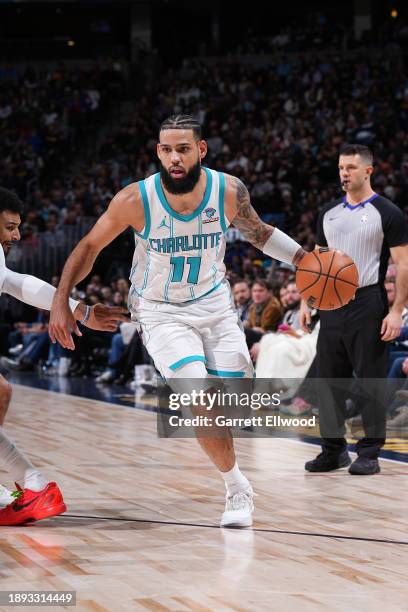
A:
(34, 480)
(235, 481)
(5, 497)
(19, 468)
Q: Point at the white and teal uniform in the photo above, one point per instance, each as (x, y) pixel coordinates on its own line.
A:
(179, 258)
(179, 294)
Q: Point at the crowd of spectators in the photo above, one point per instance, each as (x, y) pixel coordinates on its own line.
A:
(278, 127)
(44, 114)
(319, 33)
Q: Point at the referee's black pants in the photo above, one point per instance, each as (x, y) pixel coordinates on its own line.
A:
(350, 342)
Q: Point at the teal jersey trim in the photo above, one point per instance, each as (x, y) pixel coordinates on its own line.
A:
(166, 288)
(200, 231)
(190, 359)
(221, 194)
(200, 252)
(146, 274)
(175, 214)
(204, 294)
(136, 264)
(146, 208)
(214, 272)
(226, 374)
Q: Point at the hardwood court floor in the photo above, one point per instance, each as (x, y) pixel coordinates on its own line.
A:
(141, 531)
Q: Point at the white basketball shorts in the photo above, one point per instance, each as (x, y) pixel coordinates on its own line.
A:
(197, 339)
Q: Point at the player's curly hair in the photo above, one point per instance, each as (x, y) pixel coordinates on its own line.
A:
(10, 201)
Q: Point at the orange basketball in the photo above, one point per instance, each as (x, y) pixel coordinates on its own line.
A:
(327, 278)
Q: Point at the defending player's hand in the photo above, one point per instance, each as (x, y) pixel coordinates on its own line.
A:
(106, 318)
(391, 326)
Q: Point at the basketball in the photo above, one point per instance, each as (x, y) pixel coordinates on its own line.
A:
(327, 278)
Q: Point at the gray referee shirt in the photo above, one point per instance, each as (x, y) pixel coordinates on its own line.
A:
(365, 232)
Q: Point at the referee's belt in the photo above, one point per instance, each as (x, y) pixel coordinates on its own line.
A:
(367, 288)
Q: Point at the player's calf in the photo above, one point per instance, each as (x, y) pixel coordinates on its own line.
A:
(217, 442)
(5, 398)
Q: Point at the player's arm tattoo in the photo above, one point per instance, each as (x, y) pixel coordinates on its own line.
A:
(252, 228)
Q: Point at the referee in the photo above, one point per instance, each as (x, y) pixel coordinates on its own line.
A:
(353, 339)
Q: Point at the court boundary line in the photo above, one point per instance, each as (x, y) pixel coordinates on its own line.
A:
(255, 529)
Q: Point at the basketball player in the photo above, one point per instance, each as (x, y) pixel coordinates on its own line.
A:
(179, 294)
(37, 497)
(368, 227)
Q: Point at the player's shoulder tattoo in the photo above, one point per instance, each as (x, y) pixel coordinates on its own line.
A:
(247, 220)
(242, 198)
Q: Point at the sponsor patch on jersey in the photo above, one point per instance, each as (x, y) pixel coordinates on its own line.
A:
(209, 213)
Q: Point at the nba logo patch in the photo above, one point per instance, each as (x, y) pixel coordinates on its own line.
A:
(209, 213)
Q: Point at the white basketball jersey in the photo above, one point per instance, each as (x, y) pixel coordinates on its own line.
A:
(179, 258)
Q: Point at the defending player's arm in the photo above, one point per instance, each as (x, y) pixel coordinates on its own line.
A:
(391, 326)
(28, 289)
(268, 239)
(36, 292)
(125, 209)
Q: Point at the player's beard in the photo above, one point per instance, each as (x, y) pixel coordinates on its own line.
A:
(182, 185)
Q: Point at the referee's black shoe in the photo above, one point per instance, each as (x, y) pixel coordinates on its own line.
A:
(364, 466)
(327, 463)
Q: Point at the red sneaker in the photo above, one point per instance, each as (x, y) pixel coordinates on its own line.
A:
(33, 505)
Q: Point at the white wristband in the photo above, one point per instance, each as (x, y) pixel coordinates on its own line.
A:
(281, 246)
(86, 315)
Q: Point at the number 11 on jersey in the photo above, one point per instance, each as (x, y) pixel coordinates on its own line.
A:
(178, 264)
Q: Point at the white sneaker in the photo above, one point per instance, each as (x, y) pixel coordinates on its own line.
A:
(15, 350)
(238, 509)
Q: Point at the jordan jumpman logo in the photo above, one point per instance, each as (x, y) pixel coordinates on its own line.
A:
(163, 223)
